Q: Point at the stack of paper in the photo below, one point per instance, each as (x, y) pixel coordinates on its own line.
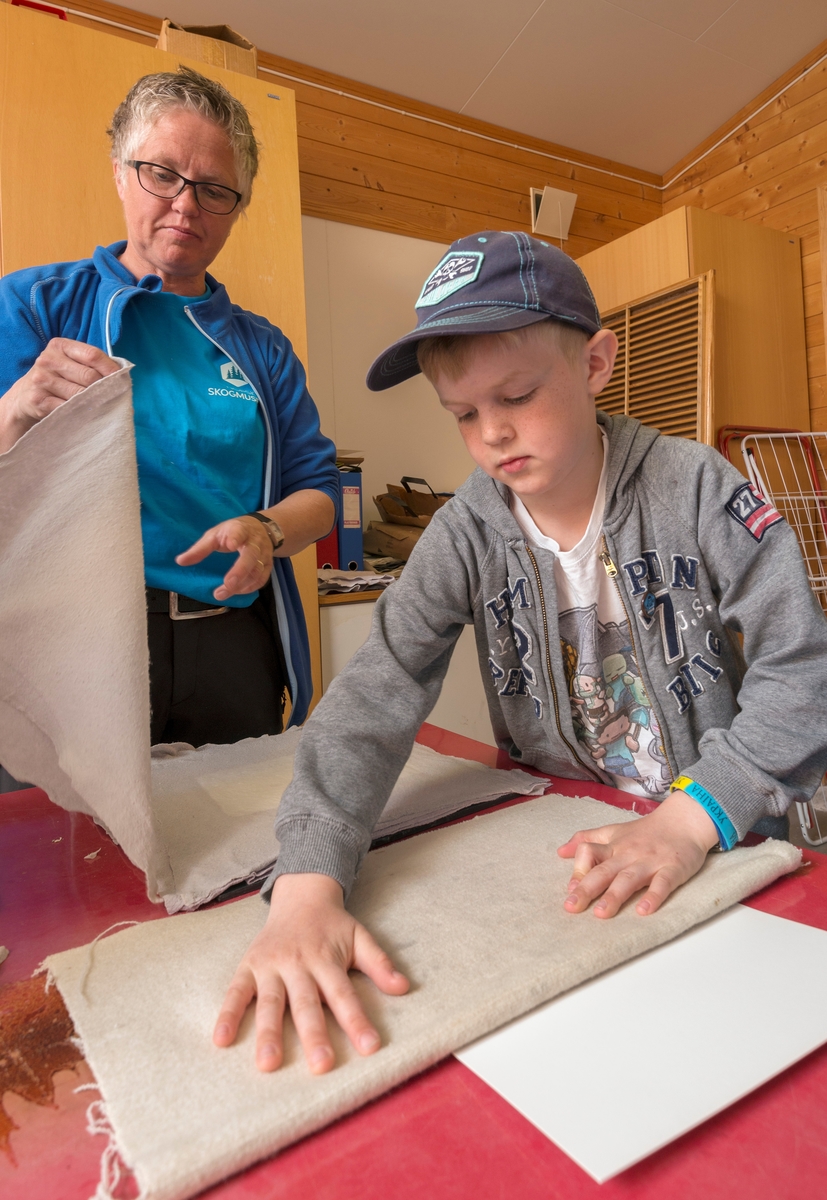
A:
(343, 582)
(435, 786)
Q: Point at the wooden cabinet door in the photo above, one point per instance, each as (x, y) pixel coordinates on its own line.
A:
(759, 374)
(59, 86)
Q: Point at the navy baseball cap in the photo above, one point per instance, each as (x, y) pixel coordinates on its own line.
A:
(487, 283)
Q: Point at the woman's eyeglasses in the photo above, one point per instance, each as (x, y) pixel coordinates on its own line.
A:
(166, 184)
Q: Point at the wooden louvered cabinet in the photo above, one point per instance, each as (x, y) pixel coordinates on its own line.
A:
(709, 315)
(663, 370)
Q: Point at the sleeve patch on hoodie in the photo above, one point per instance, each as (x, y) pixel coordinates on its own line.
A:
(748, 507)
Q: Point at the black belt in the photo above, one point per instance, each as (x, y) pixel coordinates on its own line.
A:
(178, 607)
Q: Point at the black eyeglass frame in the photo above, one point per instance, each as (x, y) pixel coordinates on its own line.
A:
(195, 184)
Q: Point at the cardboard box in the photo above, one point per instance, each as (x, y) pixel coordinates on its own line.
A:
(395, 511)
(394, 541)
(422, 504)
(217, 45)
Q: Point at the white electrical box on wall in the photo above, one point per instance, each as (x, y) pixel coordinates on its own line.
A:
(551, 212)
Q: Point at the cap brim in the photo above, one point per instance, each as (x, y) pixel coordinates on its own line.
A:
(399, 362)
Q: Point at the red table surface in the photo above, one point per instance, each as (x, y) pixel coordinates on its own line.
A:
(444, 1133)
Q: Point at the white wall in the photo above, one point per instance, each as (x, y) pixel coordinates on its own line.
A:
(361, 288)
(461, 706)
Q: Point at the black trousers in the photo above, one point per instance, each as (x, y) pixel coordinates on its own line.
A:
(216, 679)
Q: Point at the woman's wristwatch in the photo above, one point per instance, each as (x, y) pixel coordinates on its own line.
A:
(274, 530)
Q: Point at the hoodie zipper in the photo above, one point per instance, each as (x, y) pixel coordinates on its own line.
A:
(611, 570)
(571, 748)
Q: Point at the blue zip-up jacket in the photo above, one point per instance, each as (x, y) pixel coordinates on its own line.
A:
(85, 301)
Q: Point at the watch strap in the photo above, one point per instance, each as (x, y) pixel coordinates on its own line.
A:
(274, 530)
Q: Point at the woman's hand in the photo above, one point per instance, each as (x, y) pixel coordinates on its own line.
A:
(658, 852)
(63, 369)
(302, 957)
(252, 568)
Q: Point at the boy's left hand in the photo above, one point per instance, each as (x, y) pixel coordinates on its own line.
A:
(659, 852)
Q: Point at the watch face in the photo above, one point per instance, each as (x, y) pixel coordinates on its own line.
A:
(275, 532)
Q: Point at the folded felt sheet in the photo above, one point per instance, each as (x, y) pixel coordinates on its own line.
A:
(215, 806)
(74, 682)
(473, 913)
(74, 674)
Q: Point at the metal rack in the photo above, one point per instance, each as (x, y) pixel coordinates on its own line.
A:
(789, 468)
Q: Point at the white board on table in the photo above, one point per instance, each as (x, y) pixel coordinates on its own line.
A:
(629, 1061)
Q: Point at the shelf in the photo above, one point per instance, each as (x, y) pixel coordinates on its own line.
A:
(350, 597)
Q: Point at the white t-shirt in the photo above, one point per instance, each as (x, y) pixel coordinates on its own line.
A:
(612, 714)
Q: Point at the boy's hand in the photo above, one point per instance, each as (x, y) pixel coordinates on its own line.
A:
(659, 852)
(301, 958)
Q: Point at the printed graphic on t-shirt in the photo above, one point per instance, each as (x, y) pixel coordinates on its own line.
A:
(233, 376)
(613, 718)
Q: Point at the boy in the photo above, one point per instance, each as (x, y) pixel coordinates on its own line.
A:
(607, 571)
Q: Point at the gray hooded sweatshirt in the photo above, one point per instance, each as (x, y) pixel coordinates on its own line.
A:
(682, 526)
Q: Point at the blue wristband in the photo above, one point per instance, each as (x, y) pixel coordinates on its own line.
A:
(727, 834)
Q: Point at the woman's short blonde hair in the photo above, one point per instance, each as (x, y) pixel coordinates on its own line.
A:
(449, 354)
(155, 95)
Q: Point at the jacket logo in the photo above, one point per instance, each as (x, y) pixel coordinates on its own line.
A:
(657, 605)
(748, 507)
(511, 597)
(454, 272)
(687, 683)
(513, 681)
(648, 569)
(231, 374)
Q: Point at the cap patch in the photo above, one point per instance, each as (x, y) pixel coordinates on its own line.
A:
(454, 272)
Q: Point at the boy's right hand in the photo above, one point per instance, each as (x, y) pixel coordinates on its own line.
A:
(302, 957)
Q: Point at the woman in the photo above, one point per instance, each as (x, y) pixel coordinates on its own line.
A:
(230, 456)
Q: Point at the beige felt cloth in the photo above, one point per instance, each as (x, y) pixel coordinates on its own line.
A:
(215, 806)
(74, 690)
(473, 913)
(74, 672)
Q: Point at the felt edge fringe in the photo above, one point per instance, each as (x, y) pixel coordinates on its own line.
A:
(114, 1168)
(114, 1164)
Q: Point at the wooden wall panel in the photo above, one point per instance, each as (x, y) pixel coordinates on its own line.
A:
(369, 158)
(769, 169)
(363, 164)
